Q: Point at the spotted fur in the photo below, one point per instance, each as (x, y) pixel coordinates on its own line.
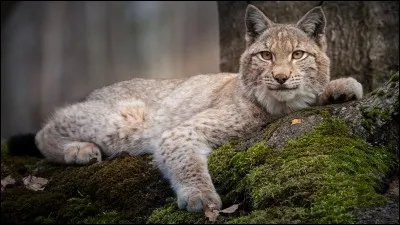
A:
(180, 121)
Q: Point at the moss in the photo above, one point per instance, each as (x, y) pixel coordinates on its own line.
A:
(130, 187)
(373, 92)
(227, 167)
(22, 206)
(318, 178)
(274, 215)
(323, 111)
(328, 172)
(367, 123)
(381, 93)
(370, 116)
(271, 129)
(18, 167)
(392, 85)
(395, 77)
(111, 217)
(83, 210)
(170, 214)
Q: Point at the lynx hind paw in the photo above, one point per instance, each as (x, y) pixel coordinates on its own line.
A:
(82, 153)
(343, 90)
(194, 200)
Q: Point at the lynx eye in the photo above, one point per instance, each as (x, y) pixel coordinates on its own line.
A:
(298, 54)
(266, 55)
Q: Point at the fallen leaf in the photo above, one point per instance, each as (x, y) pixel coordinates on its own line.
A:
(296, 121)
(7, 181)
(210, 212)
(230, 209)
(35, 183)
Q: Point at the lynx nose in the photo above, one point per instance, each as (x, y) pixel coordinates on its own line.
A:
(281, 78)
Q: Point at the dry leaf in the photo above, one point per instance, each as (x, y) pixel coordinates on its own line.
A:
(296, 121)
(211, 213)
(35, 183)
(230, 209)
(7, 181)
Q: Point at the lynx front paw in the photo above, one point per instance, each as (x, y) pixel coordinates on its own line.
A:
(342, 90)
(193, 199)
(82, 153)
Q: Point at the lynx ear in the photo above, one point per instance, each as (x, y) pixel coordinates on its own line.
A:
(256, 23)
(313, 23)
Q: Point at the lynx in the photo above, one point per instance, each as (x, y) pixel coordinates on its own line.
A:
(284, 68)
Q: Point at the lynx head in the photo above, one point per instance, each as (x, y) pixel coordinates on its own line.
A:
(284, 66)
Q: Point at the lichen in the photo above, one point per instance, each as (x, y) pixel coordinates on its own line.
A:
(395, 77)
(372, 115)
(379, 93)
(271, 129)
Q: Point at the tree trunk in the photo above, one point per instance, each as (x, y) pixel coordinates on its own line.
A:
(363, 36)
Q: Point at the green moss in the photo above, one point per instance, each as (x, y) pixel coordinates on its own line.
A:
(328, 172)
(373, 92)
(318, 178)
(271, 129)
(381, 93)
(228, 166)
(370, 116)
(367, 123)
(22, 206)
(170, 214)
(395, 77)
(323, 111)
(130, 186)
(111, 217)
(274, 215)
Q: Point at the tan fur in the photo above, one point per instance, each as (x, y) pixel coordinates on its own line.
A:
(180, 121)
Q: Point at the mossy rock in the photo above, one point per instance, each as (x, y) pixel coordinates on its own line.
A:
(124, 190)
(320, 177)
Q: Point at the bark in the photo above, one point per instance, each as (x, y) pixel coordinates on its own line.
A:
(363, 36)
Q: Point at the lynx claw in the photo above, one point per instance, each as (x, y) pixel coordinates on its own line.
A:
(194, 200)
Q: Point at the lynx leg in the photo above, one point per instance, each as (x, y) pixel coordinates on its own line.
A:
(76, 134)
(185, 165)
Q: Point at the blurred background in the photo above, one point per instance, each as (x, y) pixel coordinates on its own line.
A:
(56, 52)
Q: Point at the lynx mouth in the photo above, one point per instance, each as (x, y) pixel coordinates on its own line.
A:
(282, 88)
